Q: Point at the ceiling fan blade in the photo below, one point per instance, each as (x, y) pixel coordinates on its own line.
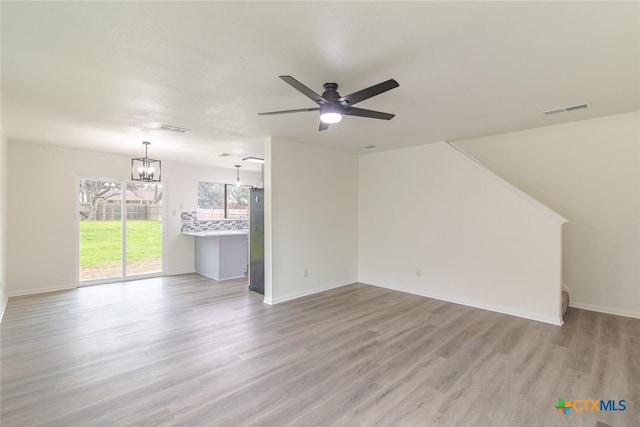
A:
(305, 90)
(299, 110)
(367, 93)
(323, 126)
(361, 112)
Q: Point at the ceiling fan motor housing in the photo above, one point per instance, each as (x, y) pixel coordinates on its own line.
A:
(331, 92)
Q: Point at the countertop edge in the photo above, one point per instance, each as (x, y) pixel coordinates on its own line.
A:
(215, 233)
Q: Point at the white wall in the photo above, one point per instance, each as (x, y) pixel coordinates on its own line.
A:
(3, 221)
(43, 220)
(477, 240)
(311, 219)
(588, 171)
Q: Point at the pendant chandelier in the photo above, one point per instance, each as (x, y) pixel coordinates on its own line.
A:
(144, 168)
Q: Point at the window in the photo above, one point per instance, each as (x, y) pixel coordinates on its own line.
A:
(219, 201)
(237, 206)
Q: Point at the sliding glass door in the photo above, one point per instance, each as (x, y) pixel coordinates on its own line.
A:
(100, 229)
(120, 229)
(143, 231)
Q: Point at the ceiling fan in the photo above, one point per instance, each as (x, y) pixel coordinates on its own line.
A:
(332, 106)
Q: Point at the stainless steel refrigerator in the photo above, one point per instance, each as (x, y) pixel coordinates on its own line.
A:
(256, 240)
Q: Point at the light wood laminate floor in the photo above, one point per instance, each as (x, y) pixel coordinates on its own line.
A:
(188, 351)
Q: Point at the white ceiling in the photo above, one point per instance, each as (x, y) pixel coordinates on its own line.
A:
(104, 75)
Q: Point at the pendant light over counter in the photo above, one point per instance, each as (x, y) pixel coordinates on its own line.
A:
(238, 183)
(146, 169)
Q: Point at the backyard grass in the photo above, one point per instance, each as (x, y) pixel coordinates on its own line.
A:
(100, 242)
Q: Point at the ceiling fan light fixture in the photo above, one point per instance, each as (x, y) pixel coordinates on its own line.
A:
(330, 117)
(330, 113)
(333, 106)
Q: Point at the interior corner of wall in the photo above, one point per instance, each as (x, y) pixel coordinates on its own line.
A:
(3, 305)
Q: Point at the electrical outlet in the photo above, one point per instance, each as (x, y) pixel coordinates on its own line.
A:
(419, 272)
(305, 272)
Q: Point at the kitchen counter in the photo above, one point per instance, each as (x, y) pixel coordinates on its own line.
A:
(214, 233)
(221, 254)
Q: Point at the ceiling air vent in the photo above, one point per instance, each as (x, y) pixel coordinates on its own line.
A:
(575, 107)
(565, 109)
(173, 128)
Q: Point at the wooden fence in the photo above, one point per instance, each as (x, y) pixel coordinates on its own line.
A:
(219, 214)
(113, 212)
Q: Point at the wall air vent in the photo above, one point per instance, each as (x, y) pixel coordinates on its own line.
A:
(566, 109)
(173, 128)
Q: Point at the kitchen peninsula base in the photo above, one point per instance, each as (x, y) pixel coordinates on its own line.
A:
(221, 255)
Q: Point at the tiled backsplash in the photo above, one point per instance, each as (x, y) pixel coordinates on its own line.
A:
(190, 222)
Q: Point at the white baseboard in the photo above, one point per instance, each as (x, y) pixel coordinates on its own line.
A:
(607, 310)
(476, 304)
(304, 293)
(40, 290)
(3, 307)
(208, 276)
(179, 272)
